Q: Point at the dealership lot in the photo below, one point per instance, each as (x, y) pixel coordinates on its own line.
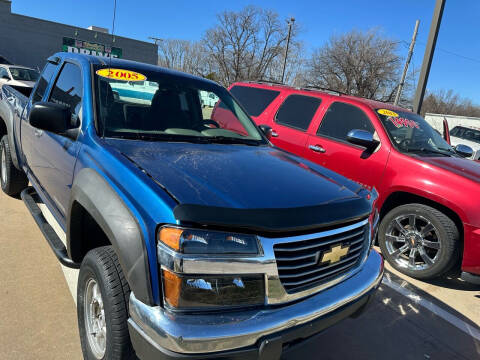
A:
(407, 320)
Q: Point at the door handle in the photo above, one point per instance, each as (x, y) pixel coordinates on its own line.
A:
(317, 148)
(274, 133)
(38, 133)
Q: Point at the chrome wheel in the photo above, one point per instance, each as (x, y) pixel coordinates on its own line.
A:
(95, 319)
(413, 242)
(4, 166)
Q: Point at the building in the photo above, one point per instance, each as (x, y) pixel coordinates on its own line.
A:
(29, 41)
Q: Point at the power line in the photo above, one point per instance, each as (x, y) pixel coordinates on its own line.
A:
(406, 43)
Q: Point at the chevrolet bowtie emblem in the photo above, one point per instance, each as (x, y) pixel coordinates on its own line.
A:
(334, 254)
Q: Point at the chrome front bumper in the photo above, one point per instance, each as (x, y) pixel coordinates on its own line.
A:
(209, 333)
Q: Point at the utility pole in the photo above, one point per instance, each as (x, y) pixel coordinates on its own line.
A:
(155, 39)
(407, 63)
(290, 23)
(427, 58)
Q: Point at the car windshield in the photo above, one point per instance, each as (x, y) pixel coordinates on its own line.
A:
(466, 133)
(22, 74)
(165, 106)
(410, 133)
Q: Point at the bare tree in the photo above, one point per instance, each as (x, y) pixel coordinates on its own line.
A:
(358, 63)
(184, 55)
(449, 103)
(245, 45)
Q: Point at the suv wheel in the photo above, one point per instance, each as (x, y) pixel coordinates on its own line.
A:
(419, 241)
(102, 307)
(13, 181)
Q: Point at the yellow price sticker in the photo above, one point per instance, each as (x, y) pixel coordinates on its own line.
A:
(120, 74)
(387, 112)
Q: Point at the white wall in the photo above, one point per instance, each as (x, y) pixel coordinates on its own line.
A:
(436, 120)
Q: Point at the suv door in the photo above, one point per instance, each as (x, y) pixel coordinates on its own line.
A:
(292, 121)
(329, 146)
(57, 154)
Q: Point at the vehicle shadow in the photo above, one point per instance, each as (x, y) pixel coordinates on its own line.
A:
(394, 327)
(454, 283)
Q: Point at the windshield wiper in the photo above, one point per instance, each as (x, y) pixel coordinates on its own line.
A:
(232, 140)
(430, 151)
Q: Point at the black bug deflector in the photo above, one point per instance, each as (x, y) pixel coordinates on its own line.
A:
(276, 220)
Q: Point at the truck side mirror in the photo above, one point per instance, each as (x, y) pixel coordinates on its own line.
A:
(362, 138)
(52, 117)
(464, 150)
(267, 130)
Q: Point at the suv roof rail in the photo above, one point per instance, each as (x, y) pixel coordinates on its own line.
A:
(263, 81)
(324, 89)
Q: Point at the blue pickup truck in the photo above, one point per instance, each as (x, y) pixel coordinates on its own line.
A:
(193, 241)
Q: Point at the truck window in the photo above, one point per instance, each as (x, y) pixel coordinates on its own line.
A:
(4, 74)
(254, 100)
(341, 118)
(68, 90)
(42, 85)
(297, 111)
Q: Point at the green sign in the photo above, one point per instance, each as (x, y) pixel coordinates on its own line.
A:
(90, 48)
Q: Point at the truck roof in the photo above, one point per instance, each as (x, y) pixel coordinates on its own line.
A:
(374, 104)
(122, 63)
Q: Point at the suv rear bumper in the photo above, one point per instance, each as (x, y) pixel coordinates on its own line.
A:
(253, 334)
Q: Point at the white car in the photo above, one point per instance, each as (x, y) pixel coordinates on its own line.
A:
(467, 136)
(20, 77)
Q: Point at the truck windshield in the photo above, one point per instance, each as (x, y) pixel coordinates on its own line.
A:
(171, 107)
(22, 74)
(466, 133)
(410, 133)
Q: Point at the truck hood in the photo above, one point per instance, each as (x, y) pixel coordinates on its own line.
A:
(236, 176)
(463, 167)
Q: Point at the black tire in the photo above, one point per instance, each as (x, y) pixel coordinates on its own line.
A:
(101, 265)
(15, 180)
(446, 234)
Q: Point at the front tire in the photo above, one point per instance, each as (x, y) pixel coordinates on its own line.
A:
(102, 307)
(419, 241)
(12, 180)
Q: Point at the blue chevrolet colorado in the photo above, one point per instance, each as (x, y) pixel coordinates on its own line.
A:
(193, 240)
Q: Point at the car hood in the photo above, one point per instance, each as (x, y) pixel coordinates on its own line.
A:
(463, 167)
(456, 141)
(236, 176)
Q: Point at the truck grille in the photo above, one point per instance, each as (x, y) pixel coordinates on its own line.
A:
(300, 264)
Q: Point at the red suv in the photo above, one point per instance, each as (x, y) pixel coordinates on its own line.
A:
(429, 195)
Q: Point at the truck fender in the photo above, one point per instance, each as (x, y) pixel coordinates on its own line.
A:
(7, 119)
(119, 224)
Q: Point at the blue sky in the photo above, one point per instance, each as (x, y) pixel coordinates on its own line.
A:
(188, 19)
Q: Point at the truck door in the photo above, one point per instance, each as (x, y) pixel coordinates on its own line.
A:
(57, 154)
(329, 146)
(28, 134)
(292, 121)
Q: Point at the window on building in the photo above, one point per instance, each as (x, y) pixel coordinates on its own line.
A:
(297, 111)
(68, 90)
(47, 73)
(254, 100)
(341, 118)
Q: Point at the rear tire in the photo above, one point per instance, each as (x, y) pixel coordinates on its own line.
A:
(12, 180)
(102, 307)
(419, 241)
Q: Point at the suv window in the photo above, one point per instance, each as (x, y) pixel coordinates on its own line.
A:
(341, 118)
(3, 72)
(297, 111)
(254, 100)
(47, 73)
(68, 90)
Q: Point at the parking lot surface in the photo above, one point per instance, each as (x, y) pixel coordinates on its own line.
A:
(408, 319)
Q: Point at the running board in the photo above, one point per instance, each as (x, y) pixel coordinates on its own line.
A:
(29, 197)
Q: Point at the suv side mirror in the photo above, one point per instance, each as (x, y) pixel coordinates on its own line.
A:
(267, 130)
(52, 117)
(464, 150)
(362, 138)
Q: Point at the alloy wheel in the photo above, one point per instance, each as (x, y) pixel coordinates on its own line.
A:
(413, 242)
(95, 319)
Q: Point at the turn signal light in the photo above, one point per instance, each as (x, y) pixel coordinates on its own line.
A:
(171, 237)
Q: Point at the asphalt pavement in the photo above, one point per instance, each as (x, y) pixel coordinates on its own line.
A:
(406, 320)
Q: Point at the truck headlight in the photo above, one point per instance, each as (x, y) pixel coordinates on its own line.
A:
(193, 241)
(186, 292)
